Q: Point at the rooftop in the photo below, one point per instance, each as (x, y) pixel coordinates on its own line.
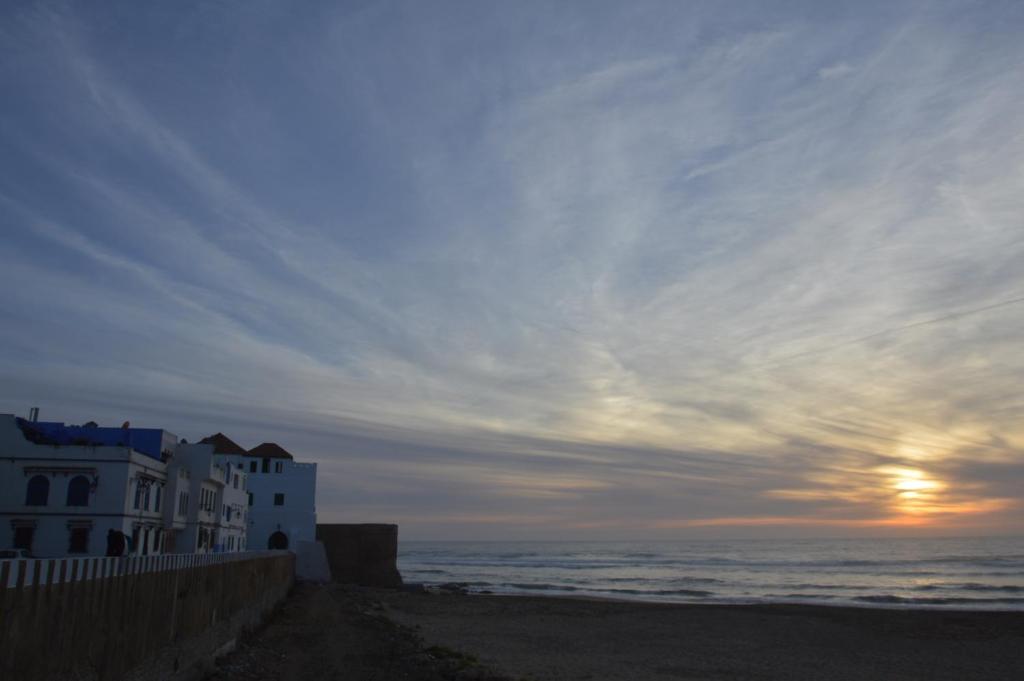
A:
(222, 444)
(270, 450)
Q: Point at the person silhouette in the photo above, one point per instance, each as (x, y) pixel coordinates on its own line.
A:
(115, 542)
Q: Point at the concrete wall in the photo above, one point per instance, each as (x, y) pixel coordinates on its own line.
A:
(364, 554)
(150, 619)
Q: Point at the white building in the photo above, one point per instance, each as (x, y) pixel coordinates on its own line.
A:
(282, 493)
(211, 509)
(62, 488)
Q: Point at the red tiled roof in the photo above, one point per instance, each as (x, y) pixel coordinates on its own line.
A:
(222, 444)
(270, 450)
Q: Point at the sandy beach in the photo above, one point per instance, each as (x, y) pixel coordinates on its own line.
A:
(337, 632)
(544, 639)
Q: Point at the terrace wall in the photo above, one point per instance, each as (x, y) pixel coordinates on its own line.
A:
(146, 618)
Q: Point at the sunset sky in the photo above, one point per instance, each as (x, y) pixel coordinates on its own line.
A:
(536, 269)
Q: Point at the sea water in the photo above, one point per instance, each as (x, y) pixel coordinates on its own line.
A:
(977, 573)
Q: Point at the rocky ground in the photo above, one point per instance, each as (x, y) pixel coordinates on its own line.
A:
(335, 632)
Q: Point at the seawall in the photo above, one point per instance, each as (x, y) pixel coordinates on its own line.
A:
(364, 554)
(147, 619)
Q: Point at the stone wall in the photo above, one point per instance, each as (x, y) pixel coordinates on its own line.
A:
(155, 618)
(362, 554)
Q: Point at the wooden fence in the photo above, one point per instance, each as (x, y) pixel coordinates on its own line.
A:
(15, 573)
(146, 617)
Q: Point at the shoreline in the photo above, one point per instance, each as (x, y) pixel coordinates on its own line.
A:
(881, 604)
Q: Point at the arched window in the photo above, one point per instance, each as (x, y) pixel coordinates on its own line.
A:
(38, 492)
(78, 491)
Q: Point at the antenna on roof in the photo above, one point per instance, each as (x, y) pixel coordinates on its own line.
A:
(33, 414)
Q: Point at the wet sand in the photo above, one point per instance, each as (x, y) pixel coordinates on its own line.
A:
(544, 639)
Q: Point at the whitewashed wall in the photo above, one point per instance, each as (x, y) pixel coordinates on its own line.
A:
(114, 470)
(296, 518)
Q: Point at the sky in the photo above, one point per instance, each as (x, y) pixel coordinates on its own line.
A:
(536, 270)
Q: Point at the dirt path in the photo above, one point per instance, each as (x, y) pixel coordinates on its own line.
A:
(327, 633)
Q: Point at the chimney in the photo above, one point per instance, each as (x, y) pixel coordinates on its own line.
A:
(33, 414)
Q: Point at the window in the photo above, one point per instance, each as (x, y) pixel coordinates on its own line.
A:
(135, 540)
(145, 498)
(156, 501)
(278, 466)
(266, 465)
(252, 466)
(38, 492)
(250, 498)
(23, 537)
(78, 541)
(78, 491)
(138, 495)
(236, 480)
(278, 499)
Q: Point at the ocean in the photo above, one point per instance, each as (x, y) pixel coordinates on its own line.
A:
(976, 573)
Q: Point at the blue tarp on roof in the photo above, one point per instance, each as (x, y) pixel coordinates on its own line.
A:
(148, 441)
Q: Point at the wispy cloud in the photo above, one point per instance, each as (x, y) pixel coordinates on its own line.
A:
(837, 70)
(536, 271)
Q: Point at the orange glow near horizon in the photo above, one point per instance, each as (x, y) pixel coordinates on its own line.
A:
(903, 496)
(919, 519)
(916, 493)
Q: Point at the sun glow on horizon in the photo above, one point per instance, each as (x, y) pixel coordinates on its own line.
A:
(915, 492)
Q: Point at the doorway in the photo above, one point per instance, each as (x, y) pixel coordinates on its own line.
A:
(278, 541)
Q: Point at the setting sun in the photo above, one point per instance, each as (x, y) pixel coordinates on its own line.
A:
(916, 493)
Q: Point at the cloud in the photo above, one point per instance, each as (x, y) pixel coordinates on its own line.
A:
(608, 271)
(837, 70)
